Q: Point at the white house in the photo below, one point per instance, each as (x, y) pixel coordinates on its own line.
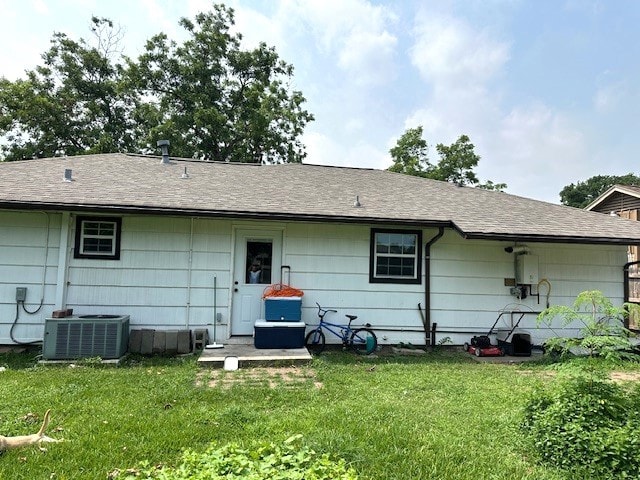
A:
(149, 237)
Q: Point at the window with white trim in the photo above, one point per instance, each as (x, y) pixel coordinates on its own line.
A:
(395, 256)
(98, 237)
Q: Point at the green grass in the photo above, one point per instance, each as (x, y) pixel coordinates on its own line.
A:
(439, 417)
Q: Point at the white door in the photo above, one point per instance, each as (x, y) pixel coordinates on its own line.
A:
(258, 257)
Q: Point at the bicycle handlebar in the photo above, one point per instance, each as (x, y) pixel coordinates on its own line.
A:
(324, 310)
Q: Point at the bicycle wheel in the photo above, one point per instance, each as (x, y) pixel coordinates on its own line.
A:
(363, 341)
(314, 341)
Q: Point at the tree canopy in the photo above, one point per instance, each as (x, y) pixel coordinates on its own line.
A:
(410, 155)
(456, 164)
(71, 104)
(208, 96)
(582, 193)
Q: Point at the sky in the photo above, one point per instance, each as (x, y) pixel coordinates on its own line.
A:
(548, 91)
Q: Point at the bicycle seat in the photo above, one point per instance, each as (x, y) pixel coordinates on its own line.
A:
(351, 317)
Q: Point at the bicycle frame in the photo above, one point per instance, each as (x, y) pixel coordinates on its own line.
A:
(361, 339)
(345, 330)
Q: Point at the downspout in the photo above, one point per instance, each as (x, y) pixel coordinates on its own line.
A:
(427, 282)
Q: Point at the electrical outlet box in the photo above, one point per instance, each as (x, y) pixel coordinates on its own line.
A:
(21, 294)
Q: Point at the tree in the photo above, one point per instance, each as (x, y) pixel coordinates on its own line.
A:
(214, 100)
(209, 97)
(410, 155)
(456, 163)
(581, 194)
(72, 104)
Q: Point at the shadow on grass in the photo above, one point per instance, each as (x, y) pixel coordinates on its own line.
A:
(336, 356)
(21, 359)
(28, 357)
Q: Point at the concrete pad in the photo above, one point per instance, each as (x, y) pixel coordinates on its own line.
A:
(79, 361)
(248, 355)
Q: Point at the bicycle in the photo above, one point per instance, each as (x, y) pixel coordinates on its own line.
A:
(361, 340)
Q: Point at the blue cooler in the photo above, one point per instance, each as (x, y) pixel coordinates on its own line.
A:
(283, 309)
(278, 334)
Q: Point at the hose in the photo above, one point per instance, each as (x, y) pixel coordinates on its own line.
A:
(548, 283)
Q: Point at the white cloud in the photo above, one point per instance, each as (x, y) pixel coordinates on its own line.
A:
(536, 150)
(369, 57)
(40, 7)
(322, 150)
(533, 148)
(256, 27)
(448, 51)
(608, 97)
(355, 33)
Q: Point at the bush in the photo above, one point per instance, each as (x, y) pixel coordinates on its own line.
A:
(290, 461)
(603, 333)
(590, 428)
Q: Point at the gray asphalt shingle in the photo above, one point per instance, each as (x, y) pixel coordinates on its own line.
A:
(120, 182)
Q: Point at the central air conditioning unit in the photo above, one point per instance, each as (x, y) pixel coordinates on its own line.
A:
(85, 336)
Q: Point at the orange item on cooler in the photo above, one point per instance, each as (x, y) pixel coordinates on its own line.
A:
(281, 290)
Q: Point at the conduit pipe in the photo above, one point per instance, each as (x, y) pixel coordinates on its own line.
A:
(189, 274)
(427, 282)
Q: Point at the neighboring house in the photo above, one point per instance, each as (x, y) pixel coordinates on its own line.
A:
(137, 235)
(624, 201)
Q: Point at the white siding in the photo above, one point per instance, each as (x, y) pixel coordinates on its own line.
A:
(26, 238)
(468, 282)
(331, 264)
(164, 278)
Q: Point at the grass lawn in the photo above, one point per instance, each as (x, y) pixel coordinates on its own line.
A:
(442, 416)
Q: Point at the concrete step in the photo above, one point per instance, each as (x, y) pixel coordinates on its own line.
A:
(248, 356)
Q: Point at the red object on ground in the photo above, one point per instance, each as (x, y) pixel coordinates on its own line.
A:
(491, 351)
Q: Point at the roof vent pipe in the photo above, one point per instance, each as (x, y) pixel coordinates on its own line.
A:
(357, 202)
(164, 148)
(67, 175)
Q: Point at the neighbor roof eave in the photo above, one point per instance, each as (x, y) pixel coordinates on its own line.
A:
(606, 194)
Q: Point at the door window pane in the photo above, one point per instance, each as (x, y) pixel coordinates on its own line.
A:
(258, 262)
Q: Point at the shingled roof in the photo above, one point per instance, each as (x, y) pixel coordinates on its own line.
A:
(143, 184)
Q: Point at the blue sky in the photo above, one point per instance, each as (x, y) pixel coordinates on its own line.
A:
(547, 90)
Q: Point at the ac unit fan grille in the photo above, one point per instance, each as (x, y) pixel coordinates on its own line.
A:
(82, 339)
